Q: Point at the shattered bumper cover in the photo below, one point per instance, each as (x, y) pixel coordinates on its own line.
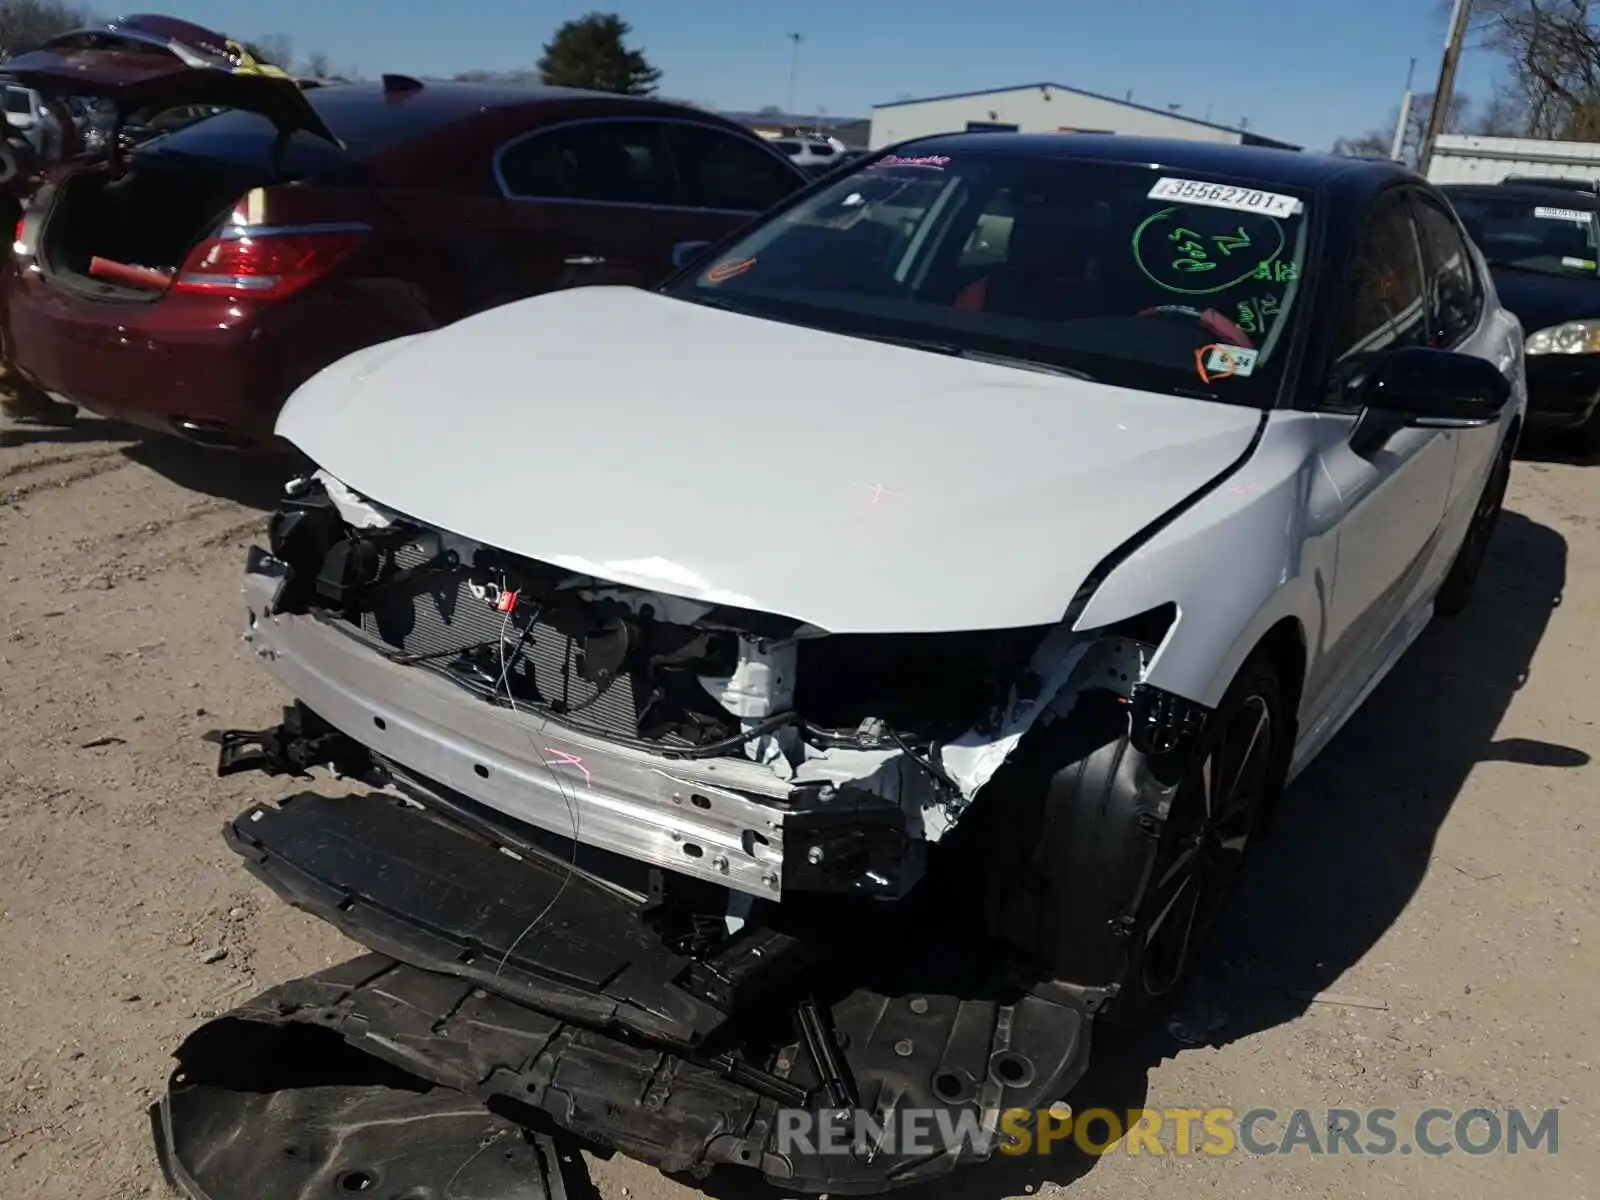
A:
(728, 821)
(550, 1031)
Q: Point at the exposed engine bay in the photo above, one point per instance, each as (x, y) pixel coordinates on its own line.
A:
(684, 868)
(780, 758)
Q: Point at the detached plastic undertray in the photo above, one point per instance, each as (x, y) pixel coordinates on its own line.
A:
(467, 1029)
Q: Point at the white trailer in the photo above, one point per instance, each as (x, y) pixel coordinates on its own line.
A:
(1468, 158)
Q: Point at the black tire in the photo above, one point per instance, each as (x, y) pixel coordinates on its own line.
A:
(1080, 870)
(1456, 590)
(28, 403)
(1586, 438)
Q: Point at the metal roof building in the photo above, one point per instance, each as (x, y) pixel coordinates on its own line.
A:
(1046, 108)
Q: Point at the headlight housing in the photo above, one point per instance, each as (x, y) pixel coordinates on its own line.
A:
(1571, 337)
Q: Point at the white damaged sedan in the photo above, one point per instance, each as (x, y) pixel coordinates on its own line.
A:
(851, 740)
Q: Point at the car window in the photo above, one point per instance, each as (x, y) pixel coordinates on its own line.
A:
(820, 149)
(615, 162)
(721, 170)
(792, 149)
(1549, 235)
(18, 101)
(1112, 270)
(1383, 304)
(531, 167)
(1454, 296)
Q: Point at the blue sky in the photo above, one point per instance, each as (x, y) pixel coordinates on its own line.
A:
(1296, 69)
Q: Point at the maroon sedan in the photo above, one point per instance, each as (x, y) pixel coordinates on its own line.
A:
(192, 287)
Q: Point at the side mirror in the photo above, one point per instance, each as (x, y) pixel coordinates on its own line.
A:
(1431, 389)
(685, 253)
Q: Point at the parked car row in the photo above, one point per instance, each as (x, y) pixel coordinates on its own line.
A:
(1542, 242)
(190, 285)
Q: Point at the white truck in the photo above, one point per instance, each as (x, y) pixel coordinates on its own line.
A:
(1470, 158)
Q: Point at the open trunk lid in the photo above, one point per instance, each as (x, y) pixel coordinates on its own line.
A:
(143, 61)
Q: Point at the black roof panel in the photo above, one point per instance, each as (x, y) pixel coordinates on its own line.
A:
(1261, 164)
(1533, 193)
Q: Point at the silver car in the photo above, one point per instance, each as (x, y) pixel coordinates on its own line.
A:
(743, 741)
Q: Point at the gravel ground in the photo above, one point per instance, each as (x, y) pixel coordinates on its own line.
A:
(1434, 872)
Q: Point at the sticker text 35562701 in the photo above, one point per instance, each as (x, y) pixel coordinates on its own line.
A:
(1224, 195)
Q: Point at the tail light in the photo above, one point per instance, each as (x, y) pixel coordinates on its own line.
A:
(18, 246)
(266, 263)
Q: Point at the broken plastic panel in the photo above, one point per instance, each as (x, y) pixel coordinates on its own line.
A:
(291, 1114)
(560, 1003)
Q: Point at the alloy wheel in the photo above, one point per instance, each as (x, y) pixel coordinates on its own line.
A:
(1209, 825)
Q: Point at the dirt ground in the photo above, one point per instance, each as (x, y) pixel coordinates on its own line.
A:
(1435, 870)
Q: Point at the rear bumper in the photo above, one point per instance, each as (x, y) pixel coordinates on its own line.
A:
(1562, 389)
(190, 366)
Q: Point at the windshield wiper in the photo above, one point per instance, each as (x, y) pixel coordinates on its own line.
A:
(948, 349)
(1000, 360)
(1552, 272)
(1026, 364)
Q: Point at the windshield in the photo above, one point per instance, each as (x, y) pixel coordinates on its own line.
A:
(1121, 273)
(1548, 236)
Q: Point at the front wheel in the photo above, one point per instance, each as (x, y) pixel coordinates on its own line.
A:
(1111, 868)
(1586, 437)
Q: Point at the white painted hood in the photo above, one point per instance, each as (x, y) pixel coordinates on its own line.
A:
(853, 485)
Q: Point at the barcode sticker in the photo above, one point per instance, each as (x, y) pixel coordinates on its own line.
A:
(1563, 214)
(1225, 195)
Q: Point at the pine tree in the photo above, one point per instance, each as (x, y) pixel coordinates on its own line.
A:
(591, 52)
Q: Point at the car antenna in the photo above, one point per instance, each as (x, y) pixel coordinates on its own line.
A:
(401, 83)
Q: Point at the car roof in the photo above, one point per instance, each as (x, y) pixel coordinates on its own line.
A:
(1265, 165)
(1560, 197)
(446, 99)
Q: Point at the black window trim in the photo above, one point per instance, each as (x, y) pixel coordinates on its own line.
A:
(641, 118)
(1420, 198)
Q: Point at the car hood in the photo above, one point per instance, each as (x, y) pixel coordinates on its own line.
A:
(848, 484)
(145, 60)
(1539, 300)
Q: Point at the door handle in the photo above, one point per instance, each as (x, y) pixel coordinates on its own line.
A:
(585, 260)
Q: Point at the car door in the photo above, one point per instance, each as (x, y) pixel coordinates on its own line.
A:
(608, 203)
(1392, 481)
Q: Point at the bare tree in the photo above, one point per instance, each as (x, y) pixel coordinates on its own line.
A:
(1377, 143)
(317, 66)
(25, 25)
(1504, 116)
(1551, 49)
(1371, 144)
(274, 49)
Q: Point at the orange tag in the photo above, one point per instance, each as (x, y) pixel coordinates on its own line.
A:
(1220, 360)
(725, 271)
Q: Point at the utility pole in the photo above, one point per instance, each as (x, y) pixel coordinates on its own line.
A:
(1397, 148)
(1446, 89)
(794, 69)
